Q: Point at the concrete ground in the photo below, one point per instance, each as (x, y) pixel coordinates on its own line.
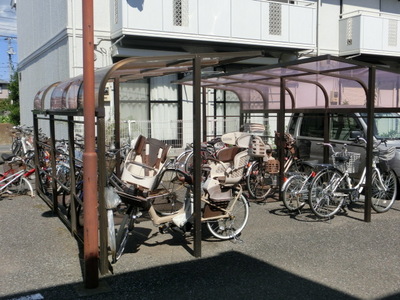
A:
(279, 256)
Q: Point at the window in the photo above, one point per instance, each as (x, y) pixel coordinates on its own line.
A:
(312, 126)
(342, 125)
(386, 125)
(152, 107)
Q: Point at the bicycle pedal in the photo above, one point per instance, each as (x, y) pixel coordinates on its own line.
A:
(163, 229)
(138, 215)
(179, 230)
(339, 194)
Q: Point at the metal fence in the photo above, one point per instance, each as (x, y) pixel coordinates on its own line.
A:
(177, 133)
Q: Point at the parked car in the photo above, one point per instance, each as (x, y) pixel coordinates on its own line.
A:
(308, 130)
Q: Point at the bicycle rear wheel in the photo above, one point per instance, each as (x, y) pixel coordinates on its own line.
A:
(259, 181)
(295, 192)
(381, 199)
(325, 197)
(16, 147)
(231, 226)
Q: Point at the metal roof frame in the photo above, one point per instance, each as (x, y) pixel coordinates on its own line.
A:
(290, 83)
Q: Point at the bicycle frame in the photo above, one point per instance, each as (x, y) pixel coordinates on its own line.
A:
(10, 179)
(360, 185)
(188, 208)
(328, 195)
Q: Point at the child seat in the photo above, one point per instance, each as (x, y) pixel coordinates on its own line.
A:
(144, 162)
(229, 166)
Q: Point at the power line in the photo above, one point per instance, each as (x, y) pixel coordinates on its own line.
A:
(8, 18)
(8, 36)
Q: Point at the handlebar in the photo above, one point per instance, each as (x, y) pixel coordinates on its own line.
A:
(357, 141)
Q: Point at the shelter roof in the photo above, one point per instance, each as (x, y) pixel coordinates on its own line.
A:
(324, 82)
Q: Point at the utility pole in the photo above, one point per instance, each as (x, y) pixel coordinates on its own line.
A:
(10, 52)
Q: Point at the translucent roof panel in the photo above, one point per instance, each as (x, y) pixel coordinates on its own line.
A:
(316, 83)
(313, 83)
(69, 94)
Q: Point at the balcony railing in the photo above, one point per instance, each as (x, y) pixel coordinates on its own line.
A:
(289, 24)
(364, 32)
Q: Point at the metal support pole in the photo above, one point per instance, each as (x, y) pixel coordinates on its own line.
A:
(370, 141)
(281, 130)
(72, 163)
(117, 122)
(90, 235)
(197, 154)
(53, 155)
(204, 116)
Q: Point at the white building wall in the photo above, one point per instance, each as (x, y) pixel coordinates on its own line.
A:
(32, 76)
(42, 20)
(54, 48)
(328, 28)
(51, 31)
(365, 5)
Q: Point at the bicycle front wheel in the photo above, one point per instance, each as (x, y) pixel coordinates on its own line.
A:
(383, 197)
(231, 225)
(259, 182)
(124, 230)
(295, 192)
(24, 187)
(326, 195)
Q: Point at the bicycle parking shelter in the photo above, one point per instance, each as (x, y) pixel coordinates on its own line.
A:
(299, 86)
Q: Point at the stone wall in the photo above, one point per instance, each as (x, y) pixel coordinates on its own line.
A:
(5, 130)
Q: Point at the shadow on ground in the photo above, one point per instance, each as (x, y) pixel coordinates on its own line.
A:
(230, 275)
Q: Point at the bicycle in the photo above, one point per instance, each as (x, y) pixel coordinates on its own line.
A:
(184, 161)
(22, 140)
(262, 173)
(333, 189)
(225, 208)
(15, 180)
(295, 189)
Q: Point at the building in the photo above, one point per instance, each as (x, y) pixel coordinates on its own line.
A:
(4, 92)
(50, 42)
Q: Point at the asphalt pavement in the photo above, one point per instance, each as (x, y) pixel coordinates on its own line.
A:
(278, 256)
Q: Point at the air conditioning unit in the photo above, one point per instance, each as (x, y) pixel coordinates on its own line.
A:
(108, 92)
(334, 98)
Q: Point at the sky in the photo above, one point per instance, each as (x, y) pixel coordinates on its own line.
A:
(8, 29)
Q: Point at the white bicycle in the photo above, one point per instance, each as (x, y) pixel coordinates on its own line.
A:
(333, 188)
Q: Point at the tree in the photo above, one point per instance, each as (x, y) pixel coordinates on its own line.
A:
(13, 88)
(10, 107)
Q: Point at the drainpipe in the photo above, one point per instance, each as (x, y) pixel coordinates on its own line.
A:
(318, 18)
(90, 234)
(73, 21)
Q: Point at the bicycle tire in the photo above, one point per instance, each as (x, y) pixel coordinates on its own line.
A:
(24, 187)
(230, 227)
(176, 191)
(259, 183)
(325, 198)
(381, 200)
(125, 228)
(112, 243)
(293, 197)
(16, 147)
